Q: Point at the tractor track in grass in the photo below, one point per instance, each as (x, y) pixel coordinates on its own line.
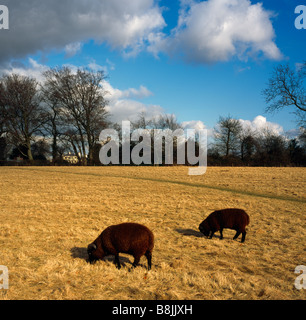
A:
(183, 183)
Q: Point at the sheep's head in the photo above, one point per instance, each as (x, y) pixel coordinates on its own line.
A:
(92, 253)
(204, 228)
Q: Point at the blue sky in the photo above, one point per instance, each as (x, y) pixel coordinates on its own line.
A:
(167, 57)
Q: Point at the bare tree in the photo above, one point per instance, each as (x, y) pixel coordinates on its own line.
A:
(286, 88)
(227, 134)
(79, 99)
(161, 121)
(2, 117)
(142, 121)
(166, 121)
(21, 111)
(53, 124)
(271, 148)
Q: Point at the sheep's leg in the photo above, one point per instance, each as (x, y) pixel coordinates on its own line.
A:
(236, 235)
(136, 261)
(243, 236)
(211, 234)
(221, 234)
(149, 258)
(117, 262)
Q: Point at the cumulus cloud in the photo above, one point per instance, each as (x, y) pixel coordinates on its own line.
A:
(116, 94)
(217, 30)
(124, 104)
(64, 24)
(193, 124)
(72, 49)
(33, 69)
(260, 125)
(127, 109)
(198, 125)
(206, 32)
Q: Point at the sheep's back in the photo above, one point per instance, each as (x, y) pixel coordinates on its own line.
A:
(128, 237)
(231, 218)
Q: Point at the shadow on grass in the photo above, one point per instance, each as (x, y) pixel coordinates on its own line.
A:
(190, 232)
(78, 252)
(194, 233)
(81, 253)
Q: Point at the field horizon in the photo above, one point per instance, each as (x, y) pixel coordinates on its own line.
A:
(50, 214)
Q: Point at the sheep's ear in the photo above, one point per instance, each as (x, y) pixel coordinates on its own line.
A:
(92, 246)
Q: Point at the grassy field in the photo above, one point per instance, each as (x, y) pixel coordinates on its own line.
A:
(48, 216)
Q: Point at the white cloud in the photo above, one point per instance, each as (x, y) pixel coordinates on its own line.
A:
(64, 24)
(96, 67)
(217, 30)
(33, 70)
(193, 124)
(116, 94)
(260, 125)
(206, 32)
(123, 107)
(198, 125)
(72, 49)
(140, 93)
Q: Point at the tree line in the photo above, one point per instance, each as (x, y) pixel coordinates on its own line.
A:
(236, 145)
(66, 112)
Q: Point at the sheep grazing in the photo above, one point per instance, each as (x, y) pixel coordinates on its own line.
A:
(131, 238)
(236, 219)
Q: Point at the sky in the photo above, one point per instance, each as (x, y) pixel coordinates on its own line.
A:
(198, 60)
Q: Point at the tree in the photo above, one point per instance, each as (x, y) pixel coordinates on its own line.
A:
(142, 121)
(227, 134)
(166, 121)
(296, 153)
(79, 99)
(21, 110)
(286, 88)
(272, 149)
(247, 147)
(53, 124)
(40, 150)
(3, 147)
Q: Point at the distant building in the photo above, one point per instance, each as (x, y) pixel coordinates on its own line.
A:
(71, 158)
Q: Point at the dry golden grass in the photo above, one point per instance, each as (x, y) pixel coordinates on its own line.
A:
(48, 216)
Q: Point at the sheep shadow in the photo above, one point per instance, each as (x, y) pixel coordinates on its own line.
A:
(81, 253)
(198, 234)
(194, 233)
(190, 232)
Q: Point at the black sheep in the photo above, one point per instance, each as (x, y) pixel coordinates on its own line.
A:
(236, 219)
(131, 238)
